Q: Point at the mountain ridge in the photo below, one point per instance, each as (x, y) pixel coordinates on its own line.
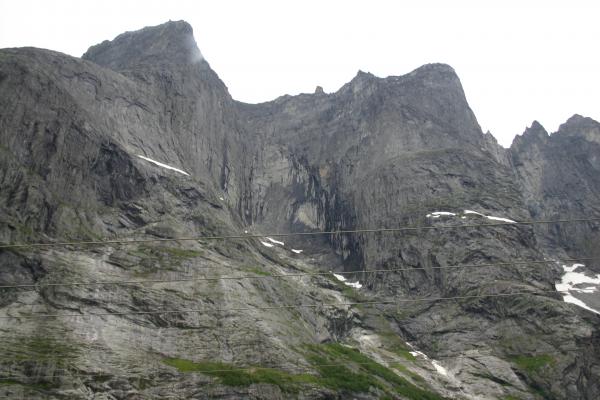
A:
(379, 152)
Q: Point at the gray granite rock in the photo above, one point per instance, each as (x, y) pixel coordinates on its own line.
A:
(140, 139)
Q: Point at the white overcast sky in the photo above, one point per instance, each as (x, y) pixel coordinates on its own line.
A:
(518, 61)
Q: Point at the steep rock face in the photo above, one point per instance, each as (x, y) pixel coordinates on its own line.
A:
(560, 179)
(386, 152)
(72, 132)
(377, 153)
(84, 144)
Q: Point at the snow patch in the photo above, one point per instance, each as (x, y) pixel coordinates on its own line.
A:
(571, 279)
(418, 353)
(437, 214)
(436, 364)
(356, 285)
(297, 251)
(163, 165)
(438, 367)
(474, 212)
(342, 278)
(274, 241)
(267, 244)
(569, 298)
(501, 219)
(490, 217)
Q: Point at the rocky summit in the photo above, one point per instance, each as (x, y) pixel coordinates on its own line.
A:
(161, 240)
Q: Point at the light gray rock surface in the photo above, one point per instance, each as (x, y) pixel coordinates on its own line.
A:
(378, 153)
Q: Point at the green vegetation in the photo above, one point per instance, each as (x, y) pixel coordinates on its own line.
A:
(403, 352)
(9, 382)
(348, 291)
(257, 271)
(364, 374)
(234, 376)
(39, 386)
(45, 350)
(352, 294)
(154, 258)
(164, 252)
(339, 368)
(39, 348)
(392, 342)
(533, 364)
(406, 371)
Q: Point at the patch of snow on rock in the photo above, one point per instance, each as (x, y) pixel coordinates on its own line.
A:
(571, 279)
(342, 278)
(274, 241)
(163, 165)
(569, 298)
(490, 217)
(418, 353)
(474, 212)
(356, 285)
(438, 367)
(297, 251)
(437, 214)
(501, 219)
(267, 244)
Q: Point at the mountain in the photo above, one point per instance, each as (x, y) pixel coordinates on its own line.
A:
(560, 179)
(140, 141)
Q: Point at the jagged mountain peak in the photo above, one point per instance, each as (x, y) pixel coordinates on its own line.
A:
(536, 126)
(578, 119)
(158, 150)
(577, 123)
(536, 130)
(363, 75)
(169, 43)
(532, 134)
(438, 68)
(437, 73)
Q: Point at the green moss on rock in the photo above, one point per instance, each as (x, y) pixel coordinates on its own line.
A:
(235, 376)
(365, 372)
(533, 364)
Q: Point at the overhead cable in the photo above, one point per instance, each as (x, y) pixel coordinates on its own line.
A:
(291, 306)
(255, 236)
(269, 276)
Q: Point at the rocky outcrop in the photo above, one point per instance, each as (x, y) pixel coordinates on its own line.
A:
(386, 152)
(559, 177)
(140, 139)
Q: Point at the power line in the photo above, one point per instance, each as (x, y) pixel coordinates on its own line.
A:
(281, 366)
(179, 280)
(255, 236)
(185, 311)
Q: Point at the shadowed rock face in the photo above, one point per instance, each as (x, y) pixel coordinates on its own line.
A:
(560, 179)
(378, 153)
